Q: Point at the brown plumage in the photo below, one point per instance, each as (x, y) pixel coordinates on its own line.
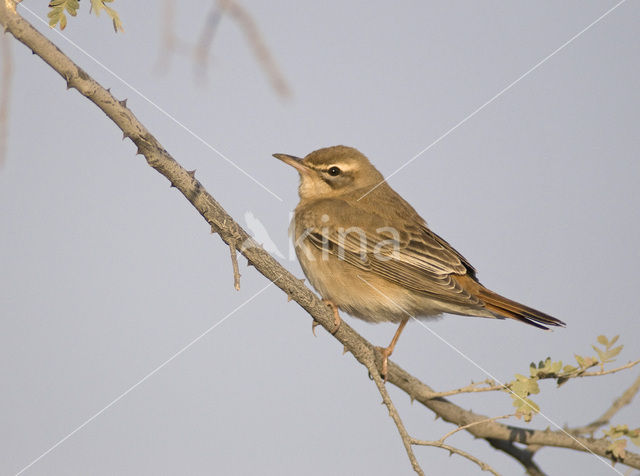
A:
(368, 252)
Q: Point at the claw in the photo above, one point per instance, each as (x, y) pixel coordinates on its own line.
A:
(314, 324)
(386, 352)
(336, 316)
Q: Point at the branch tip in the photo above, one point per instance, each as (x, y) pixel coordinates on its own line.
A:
(234, 264)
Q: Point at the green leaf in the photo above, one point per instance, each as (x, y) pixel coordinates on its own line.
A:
(56, 13)
(601, 353)
(602, 340)
(616, 431)
(617, 449)
(98, 5)
(611, 353)
(556, 367)
(525, 408)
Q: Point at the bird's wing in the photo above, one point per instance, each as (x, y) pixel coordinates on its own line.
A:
(413, 257)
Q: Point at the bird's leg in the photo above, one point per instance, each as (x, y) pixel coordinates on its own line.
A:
(387, 351)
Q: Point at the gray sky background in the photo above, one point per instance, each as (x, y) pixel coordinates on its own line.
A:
(107, 272)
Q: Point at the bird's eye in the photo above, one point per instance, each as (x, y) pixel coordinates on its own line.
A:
(334, 171)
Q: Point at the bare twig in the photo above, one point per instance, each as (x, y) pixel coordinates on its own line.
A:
(170, 43)
(471, 388)
(234, 263)
(451, 449)
(260, 50)
(441, 442)
(393, 413)
(203, 46)
(228, 229)
(612, 371)
(605, 418)
(469, 425)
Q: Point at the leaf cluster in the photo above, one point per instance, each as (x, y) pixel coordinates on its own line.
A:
(57, 9)
(523, 386)
(617, 434)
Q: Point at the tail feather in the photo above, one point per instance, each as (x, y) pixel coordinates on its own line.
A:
(503, 307)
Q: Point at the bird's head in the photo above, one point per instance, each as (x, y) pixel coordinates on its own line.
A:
(332, 171)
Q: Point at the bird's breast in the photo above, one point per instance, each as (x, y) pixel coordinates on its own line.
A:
(356, 291)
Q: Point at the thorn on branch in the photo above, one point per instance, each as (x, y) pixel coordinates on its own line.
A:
(234, 263)
(123, 103)
(192, 173)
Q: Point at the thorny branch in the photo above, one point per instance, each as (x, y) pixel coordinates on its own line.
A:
(407, 441)
(232, 234)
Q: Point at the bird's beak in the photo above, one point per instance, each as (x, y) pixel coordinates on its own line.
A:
(295, 162)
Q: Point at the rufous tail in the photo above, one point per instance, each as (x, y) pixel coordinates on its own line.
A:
(503, 307)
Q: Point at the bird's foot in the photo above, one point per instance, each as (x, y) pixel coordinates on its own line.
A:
(336, 317)
(386, 353)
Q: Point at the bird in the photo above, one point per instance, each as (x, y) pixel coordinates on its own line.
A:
(370, 254)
